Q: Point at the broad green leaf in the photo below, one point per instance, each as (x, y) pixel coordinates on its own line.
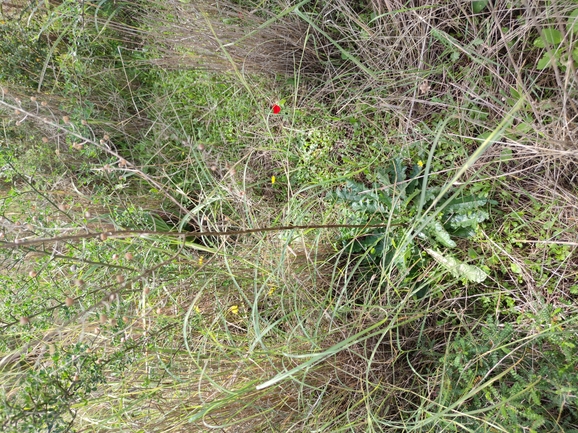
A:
(544, 62)
(437, 230)
(550, 36)
(463, 232)
(469, 202)
(468, 219)
(479, 5)
(515, 268)
(458, 269)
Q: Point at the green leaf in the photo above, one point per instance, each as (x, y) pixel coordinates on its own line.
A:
(524, 127)
(479, 5)
(468, 219)
(544, 62)
(469, 202)
(550, 36)
(515, 268)
(397, 169)
(514, 93)
(439, 233)
(506, 155)
(458, 269)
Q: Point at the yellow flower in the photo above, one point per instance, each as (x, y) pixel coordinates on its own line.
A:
(197, 309)
(271, 291)
(201, 258)
(273, 180)
(420, 163)
(234, 309)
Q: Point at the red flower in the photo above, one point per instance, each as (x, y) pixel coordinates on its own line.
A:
(276, 109)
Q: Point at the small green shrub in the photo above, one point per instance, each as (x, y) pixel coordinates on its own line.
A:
(519, 383)
(44, 396)
(22, 53)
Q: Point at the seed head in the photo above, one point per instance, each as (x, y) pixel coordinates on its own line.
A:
(65, 119)
(24, 321)
(128, 256)
(69, 301)
(32, 274)
(120, 278)
(103, 318)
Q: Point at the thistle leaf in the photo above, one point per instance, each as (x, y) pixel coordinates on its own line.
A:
(439, 233)
(458, 269)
